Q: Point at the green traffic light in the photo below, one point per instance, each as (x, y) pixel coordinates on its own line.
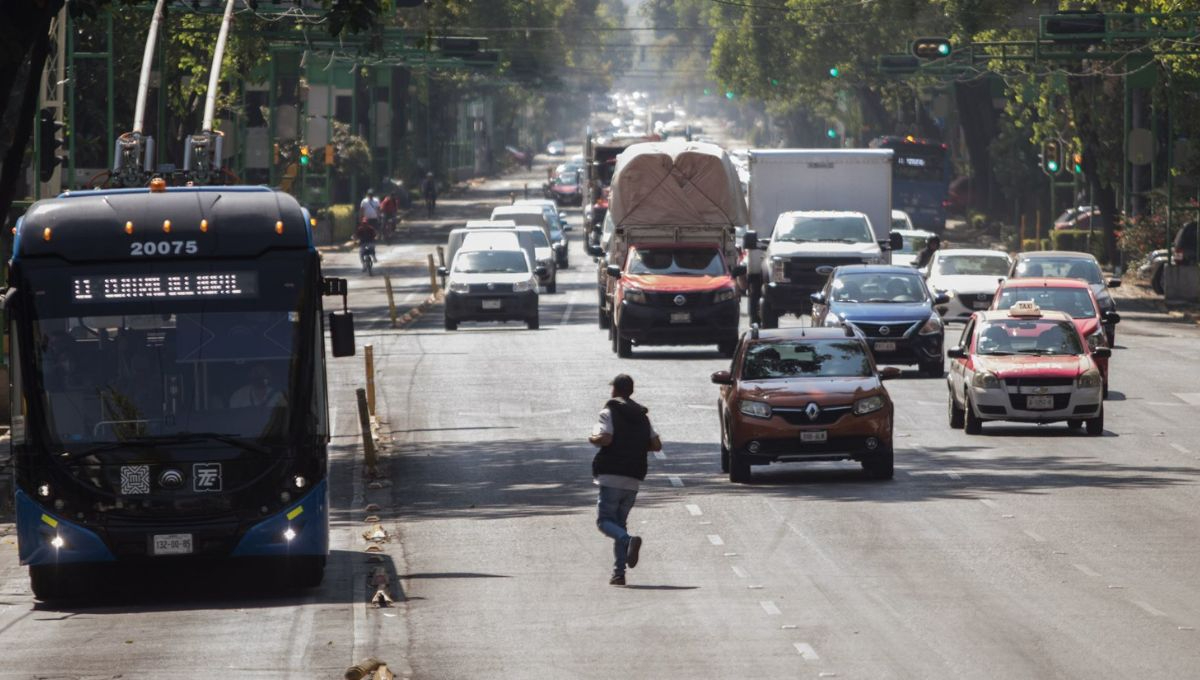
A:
(1052, 166)
(831, 133)
(774, 82)
(729, 94)
(707, 92)
(944, 49)
(834, 72)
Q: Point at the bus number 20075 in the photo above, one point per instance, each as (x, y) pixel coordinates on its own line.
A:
(151, 248)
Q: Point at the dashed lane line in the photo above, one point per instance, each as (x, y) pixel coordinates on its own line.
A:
(770, 608)
(715, 539)
(989, 502)
(1149, 608)
(1180, 448)
(806, 651)
(675, 480)
(1035, 536)
(740, 572)
(660, 455)
(1087, 570)
(693, 509)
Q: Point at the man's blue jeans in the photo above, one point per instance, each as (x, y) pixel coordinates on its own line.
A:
(614, 507)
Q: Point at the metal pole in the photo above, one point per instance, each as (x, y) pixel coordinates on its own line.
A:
(387, 284)
(433, 282)
(139, 109)
(364, 423)
(369, 365)
(214, 74)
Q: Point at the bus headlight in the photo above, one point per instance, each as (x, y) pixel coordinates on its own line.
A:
(289, 534)
(299, 481)
(44, 490)
(986, 380)
(57, 542)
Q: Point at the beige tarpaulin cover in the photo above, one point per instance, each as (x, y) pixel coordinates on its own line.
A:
(676, 183)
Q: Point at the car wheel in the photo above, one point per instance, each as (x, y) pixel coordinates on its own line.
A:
(956, 414)
(552, 287)
(1074, 424)
(881, 465)
(972, 424)
(933, 369)
(770, 319)
(624, 346)
(727, 347)
(604, 320)
(1156, 281)
(1095, 426)
(533, 323)
(612, 339)
(1104, 390)
(724, 450)
(739, 468)
(1110, 333)
(451, 324)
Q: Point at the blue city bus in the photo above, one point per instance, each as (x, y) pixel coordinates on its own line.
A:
(920, 179)
(168, 382)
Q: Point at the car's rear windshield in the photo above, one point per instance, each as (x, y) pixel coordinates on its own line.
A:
(836, 229)
(491, 262)
(806, 359)
(1074, 301)
(877, 287)
(1028, 336)
(971, 265)
(677, 261)
(1063, 268)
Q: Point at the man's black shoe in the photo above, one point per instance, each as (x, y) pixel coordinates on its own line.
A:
(635, 546)
(616, 581)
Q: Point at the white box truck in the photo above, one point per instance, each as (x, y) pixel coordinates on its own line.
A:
(783, 273)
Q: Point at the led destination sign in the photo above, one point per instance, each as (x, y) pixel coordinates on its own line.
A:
(221, 285)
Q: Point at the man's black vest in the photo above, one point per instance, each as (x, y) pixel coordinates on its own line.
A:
(626, 455)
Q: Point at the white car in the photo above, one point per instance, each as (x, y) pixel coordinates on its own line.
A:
(914, 243)
(969, 277)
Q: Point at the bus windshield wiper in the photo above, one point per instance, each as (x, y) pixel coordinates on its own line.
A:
(184, 437)
(107, 446)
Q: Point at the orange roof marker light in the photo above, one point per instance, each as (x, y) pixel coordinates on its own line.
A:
(166, 226)
(204, 226)
(158, 185)
(279, 227)
(129, 227)
(46, 234)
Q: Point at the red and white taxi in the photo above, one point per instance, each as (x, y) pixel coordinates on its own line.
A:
(1072, 296)
(1028, 365)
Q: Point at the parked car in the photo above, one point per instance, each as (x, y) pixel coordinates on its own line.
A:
(1026, 365)
(491, 285)
(1070, 296)
(968, 277)
(914, 241)
(1071, 265)
(893, 309)
(804, 395)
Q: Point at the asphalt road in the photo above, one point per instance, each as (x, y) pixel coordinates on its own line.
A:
(1026, 552)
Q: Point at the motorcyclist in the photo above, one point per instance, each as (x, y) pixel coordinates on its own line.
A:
(366, 235)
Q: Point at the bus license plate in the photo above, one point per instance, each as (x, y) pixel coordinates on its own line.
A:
(1040, 403)
(491, 304)
(817, 436)
(171, 544)
(681, 317)
(887, 346)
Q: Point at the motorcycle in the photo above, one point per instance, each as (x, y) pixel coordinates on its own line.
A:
(366, 254)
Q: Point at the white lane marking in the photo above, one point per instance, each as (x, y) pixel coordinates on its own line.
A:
(704, 524)
(1008, 516)
(739, 572)
(1035, 536)
(715, 539)
(731, 554)
(1164, 403)
(1185, 627)
(702, 407)
(754, 587)
(788, 626)
(806, 651)
(989, 502)
(1087, 570)
(567, 312)
(1180, 448)
(693, 509)
(1149, 608)
(929, 403)
(1189, 398)
(953, 475)
(660, 455)
(675, 480)
(770, 608)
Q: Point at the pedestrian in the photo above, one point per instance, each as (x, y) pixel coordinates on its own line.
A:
(625, 436)
(926, 254)
(369, 210)
(403, 200)
(429, 193)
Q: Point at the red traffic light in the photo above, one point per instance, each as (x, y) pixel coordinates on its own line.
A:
(931, 48)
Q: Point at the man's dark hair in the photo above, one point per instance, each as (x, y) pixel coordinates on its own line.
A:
(623, 385)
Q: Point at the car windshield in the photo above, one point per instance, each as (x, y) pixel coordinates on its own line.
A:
(806, 359)
(838, 229)
(491, 262)
(677, 261)
(877, 287)
(567, 178)
(1061, 267)
(913, 244)
(1074, 301)
(971, 265)
(1028, 336)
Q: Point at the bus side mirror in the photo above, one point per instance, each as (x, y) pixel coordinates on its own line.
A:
(341, 333)
(750, 240)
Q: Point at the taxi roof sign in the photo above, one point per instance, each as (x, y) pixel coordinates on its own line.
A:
(1025, 308)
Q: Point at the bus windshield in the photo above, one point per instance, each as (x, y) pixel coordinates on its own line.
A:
(148, 356)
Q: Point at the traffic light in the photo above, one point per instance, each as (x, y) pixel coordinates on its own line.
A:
(831, 133)
(1074, 26)
(303, 154)
(459, 46)
(834, 72)
(729, 94)
(1077, 163)
(898, 64)
(48, 144)
(774, 82)
(931, 48)
(1052, 157)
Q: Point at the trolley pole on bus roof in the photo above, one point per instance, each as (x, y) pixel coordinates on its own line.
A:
(133, 158)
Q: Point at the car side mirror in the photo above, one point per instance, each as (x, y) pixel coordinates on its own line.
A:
(1111, 317)
(443, 272)
(750, 240)
(941, 299)
(956, 353)
(889, 373)
(595, 250)
(613, 271)
(1102, 352)
(540, 270)
(722, 378)
(738, 270)
(817, 298)
(1114, 283)
(895, 241)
